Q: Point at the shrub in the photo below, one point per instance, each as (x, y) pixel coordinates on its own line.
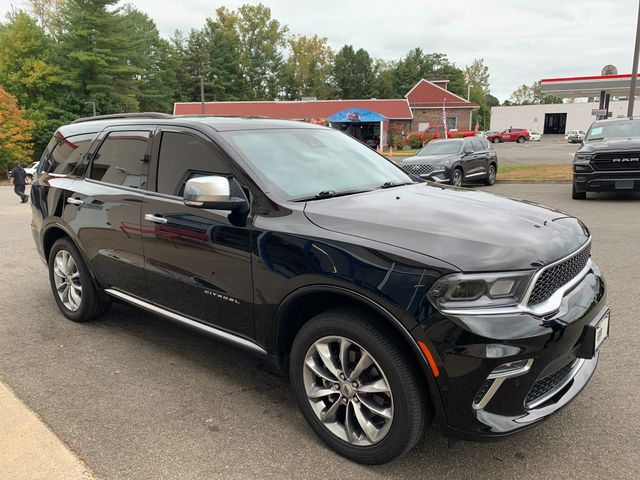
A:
(415, 140)
(397, 142)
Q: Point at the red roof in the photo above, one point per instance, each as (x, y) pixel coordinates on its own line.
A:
(296, 110)
(429, 94)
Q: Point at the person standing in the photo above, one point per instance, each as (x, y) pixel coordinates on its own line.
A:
(19, 176)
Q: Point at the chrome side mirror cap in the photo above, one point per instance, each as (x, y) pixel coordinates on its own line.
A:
(212, 192)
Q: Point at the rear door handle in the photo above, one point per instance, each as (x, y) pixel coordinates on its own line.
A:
(75, 201)
(154, 218)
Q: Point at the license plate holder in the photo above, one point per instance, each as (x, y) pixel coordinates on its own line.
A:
(595, 335)
(624, 184)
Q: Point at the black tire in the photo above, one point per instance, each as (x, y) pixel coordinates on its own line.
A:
(491, 175)
(496, 140)
(456, 177)
(92, 304)
(521, 139)
(577, 195)
(412, 411)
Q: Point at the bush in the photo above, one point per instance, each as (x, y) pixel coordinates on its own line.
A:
(397, 142)
(415, 140)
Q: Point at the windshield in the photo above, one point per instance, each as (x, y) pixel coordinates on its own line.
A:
(305, 162)
(440, 148)
(614, 130)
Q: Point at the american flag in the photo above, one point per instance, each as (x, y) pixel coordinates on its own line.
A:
(444, 118)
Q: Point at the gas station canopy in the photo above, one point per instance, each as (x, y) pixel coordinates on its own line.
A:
(576, 87)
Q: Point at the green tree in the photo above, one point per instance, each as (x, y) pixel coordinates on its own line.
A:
(353, 73)
(308, 67)
(477, 74)
(95, 54)
(384, 79)
(262, 39)
(531, 95)
(48, 14)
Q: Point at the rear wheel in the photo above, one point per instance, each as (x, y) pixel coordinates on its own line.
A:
(521, 140)
(456, 177)
(491, 175)
(72, 285)
(577, 195)
(357, 388)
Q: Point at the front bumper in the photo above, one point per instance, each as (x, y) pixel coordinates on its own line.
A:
(470, 348)
(606, 181)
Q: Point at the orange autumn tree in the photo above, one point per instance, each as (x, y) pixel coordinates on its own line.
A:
(15, 133)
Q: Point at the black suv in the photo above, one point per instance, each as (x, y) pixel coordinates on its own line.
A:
(454, 161)
(609, 159)
(388, 301)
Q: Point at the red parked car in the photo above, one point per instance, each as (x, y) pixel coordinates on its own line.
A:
(519, 135)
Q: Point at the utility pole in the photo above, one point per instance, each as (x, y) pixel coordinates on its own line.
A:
(202, 93)
(634, 73)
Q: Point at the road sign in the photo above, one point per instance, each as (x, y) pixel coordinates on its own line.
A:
(599, 112)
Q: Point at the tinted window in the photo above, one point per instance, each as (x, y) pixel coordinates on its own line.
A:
(441, 147)
(485, 143)
(122, 159)
(66, 154)
(477, 145)
(184, 156)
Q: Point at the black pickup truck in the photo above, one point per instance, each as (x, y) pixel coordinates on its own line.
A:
(609, 159)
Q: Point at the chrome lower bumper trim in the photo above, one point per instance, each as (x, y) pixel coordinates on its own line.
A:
(200, 327)
(551, 393)
(498, 380)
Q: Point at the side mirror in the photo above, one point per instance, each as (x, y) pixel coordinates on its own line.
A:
(212, 192)
(468, 149)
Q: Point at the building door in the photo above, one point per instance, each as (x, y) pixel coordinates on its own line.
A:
(555, 123)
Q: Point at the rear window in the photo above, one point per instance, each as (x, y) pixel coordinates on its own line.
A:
(64, 155)
(123, 159)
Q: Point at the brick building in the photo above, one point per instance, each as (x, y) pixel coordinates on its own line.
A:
(369, 119)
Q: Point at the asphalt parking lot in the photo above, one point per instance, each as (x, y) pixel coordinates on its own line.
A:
(137, 397)
(550, 149)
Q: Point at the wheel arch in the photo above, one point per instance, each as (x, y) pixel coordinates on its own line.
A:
(303, 304)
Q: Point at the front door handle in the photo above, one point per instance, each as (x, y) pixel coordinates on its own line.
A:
(151, 217)
(75, 201)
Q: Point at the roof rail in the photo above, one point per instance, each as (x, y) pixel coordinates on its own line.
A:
(115, 116)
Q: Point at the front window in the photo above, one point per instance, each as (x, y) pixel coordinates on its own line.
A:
(627, 129)
(441, 148)
(302, 163)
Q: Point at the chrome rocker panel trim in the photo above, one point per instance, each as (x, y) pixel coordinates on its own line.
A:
(201, 327)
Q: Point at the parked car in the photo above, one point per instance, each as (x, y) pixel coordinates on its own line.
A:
(31, 171)
(389, 302)
(454, 161)
(609, 158)
(535, 136)
(519, 135)
(436, 131)
(576, 136)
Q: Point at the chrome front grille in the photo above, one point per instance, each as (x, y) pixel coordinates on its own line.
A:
(418, 169)
(558, 275)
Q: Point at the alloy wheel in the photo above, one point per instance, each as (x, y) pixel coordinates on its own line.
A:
(456, 180)
(67, 280)
(348, 391)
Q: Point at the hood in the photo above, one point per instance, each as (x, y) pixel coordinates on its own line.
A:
(472, 230)
(611, 144)
(428, 159)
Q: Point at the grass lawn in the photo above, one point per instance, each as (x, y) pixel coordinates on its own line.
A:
(401, 153)
(525, 171)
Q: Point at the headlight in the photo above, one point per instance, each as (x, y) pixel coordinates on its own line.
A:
(582, 158)
(461, 290)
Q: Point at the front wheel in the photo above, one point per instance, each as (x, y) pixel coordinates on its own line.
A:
(576, 195)
(521, 139)
(456, 177)
(356, 387)
(496, 140)
(491, 175)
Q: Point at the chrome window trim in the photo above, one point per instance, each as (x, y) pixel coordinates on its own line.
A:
(201, 327)
(570, 376)
(548, 306)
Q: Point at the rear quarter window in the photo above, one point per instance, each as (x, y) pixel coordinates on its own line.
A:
(66, 155)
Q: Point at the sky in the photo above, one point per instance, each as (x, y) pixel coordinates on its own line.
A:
(520, 41)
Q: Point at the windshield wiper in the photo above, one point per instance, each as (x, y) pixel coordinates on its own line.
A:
(394, 184)
(329, 194)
